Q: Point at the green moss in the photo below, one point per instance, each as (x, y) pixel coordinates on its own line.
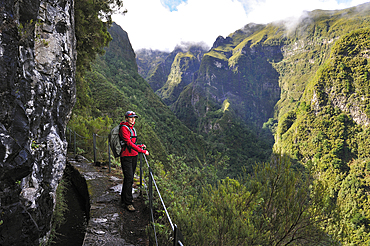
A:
(60, 209)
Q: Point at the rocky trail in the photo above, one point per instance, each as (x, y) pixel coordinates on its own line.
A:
(110, 223)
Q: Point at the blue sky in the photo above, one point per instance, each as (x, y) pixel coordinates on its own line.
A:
(163, 24)
(172, 4)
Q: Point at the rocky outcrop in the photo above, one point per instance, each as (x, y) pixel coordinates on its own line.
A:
(221, 41)
(160, 73)
(352, 106)
(37, 90)
(183, 71)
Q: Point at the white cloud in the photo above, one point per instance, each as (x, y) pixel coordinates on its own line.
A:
(151, 25)
(271, 10)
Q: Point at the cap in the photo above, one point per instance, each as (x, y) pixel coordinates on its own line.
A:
(131, 114)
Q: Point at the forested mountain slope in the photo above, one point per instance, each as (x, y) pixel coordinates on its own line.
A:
(116, 87)
(253, 78)
(329, 132)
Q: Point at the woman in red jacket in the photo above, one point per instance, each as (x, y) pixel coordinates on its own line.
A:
(128, 158)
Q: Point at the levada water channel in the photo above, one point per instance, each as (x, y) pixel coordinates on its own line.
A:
(72, 231)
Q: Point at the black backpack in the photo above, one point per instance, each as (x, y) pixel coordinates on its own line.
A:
(116, 142)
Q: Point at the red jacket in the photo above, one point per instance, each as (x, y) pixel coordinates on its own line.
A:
(131, 148)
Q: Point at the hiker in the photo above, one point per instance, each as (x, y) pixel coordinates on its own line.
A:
(128, 157)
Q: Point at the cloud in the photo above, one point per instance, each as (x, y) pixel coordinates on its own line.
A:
(163, 24)
(272, 10)
(151, 25)
(186, 46)
(290, 11)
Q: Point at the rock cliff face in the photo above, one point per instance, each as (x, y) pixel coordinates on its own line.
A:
(245, 78)
(242, 74)
(37, 90)
(183, 71)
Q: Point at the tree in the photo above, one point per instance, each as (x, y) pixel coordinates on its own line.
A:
(285, 215)
(273, 206)
(92, 20)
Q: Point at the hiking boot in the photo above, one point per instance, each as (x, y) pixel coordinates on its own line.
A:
(130, 208)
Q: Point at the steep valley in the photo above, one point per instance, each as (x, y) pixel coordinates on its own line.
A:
(306, 84)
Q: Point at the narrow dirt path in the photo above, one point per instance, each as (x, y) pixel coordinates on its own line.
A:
(110, 223)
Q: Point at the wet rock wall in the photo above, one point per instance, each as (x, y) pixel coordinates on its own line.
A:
(37, 94)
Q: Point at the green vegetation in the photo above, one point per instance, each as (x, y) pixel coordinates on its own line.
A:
(179, 77)
(275, 205)
(326, 137)
(148, 60)
(115, 87)
(92, 20)
(308, 47)
(61, 207)
(322, 112)
(218, 55)
(309, 86)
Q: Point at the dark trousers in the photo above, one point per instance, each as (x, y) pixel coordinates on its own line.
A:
(128, 165)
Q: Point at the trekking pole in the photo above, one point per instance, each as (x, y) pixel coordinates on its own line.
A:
(141, 169)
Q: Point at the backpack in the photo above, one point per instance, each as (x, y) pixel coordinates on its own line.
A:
(116, 143)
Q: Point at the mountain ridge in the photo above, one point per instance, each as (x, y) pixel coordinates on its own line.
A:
(308, 85)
